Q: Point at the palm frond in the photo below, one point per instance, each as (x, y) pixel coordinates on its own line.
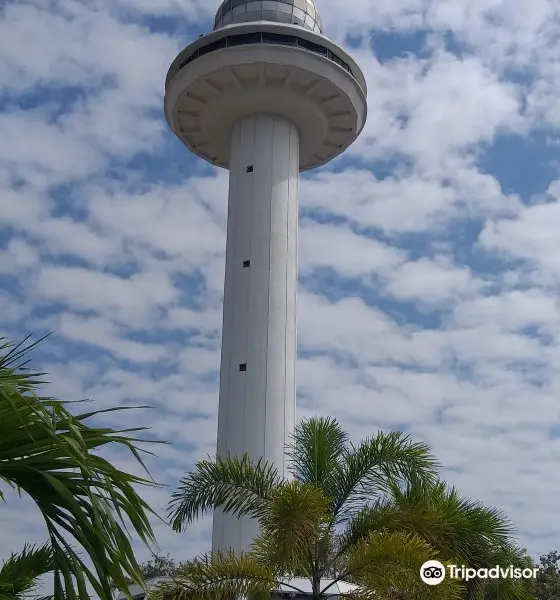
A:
(465, 532)
(316, 447)
(218, 576)
(20, 572)
(235, 485)
(291, 525)
(456, 526)
(45, 451)
(368, 470)
(386, 565)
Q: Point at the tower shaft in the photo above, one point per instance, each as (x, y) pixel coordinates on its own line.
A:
(256, 412)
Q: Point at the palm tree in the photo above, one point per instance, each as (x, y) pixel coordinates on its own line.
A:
(309, 525)
(465, 532)
(370, 514)
(49, 453)
(20, 572)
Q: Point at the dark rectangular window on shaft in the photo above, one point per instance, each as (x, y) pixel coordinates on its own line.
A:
(250, 169)
(243, 367)
(246, 263)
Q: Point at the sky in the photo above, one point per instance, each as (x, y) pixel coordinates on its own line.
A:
(429, 255)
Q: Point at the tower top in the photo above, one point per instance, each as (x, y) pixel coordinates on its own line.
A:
(295, 12)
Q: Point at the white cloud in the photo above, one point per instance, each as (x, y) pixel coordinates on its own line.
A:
(435, 107)
(405, 204)
(104, 334)
(530, 237)
(434, 282)
(136, 297)
(512, 310)
(350, 254)
(164, 219)
(18, 257)
(409, 202)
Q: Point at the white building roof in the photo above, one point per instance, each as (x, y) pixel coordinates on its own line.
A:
(137, 592)
(341, 587)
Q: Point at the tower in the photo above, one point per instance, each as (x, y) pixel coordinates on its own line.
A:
(266, 96)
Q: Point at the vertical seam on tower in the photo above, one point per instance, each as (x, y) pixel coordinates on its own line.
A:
(268, 289)
(286, 295)
(295, 232)
(235, 223)
(296, 268)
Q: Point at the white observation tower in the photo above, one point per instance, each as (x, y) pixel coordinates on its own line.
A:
(266, 96)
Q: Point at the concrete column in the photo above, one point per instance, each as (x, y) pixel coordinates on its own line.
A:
(257, 379)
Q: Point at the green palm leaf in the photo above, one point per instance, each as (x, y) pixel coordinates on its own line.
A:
(292, 521)
(45, 451)
(367, 470)
(456, 526)
(19, 573)
(234, 484)
(316, 449)
(464, 531)
(218, 576)
(386, 565)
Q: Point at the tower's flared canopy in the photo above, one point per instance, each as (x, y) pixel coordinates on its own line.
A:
(296, 12)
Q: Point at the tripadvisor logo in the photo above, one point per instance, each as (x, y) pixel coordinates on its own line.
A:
(432, 572)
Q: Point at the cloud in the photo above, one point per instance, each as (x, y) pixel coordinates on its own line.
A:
(529, 238)
(348, 253)
(136, 297)
(432, 282)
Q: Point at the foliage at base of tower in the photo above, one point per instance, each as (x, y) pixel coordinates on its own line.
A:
(369, 514)
(158, 566)
(48, 453)
(547, 583)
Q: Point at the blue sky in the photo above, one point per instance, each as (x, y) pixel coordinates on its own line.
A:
(429, 262)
